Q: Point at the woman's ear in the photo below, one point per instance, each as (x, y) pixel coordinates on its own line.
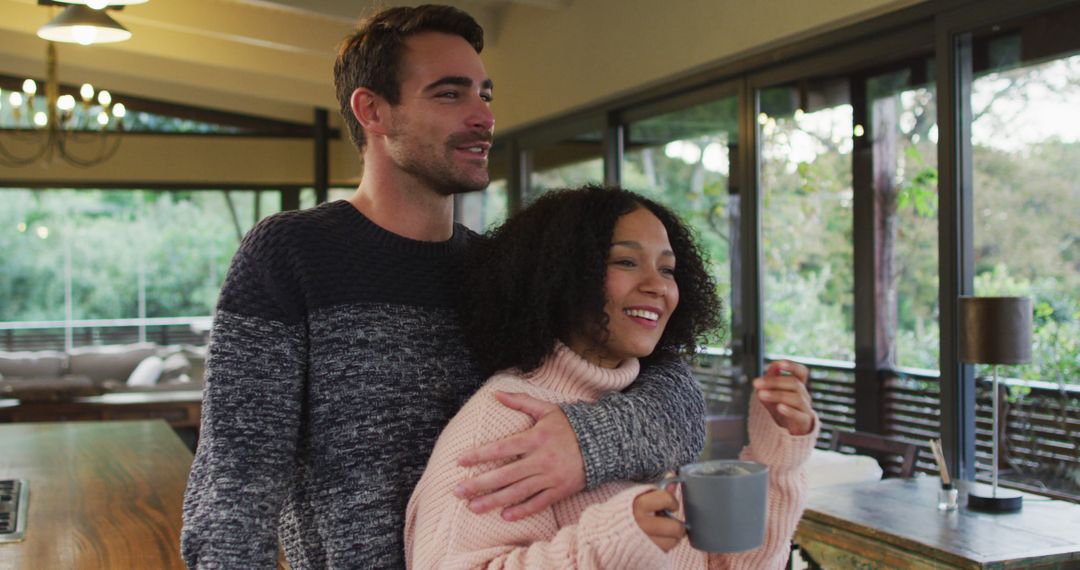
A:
(370, 110)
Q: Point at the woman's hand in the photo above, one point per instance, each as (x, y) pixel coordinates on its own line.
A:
(664, 531)
(782, 390)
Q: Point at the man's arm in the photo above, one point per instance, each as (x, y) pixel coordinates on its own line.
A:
(658, 423)
(655, 425)
(250, 420)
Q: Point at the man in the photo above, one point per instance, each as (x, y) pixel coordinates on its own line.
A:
(336, 358)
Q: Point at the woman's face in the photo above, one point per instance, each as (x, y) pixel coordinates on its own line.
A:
(639, 289)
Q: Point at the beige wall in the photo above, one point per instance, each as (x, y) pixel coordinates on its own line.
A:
(545, 62)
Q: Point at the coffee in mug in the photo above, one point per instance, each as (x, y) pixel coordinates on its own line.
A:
(725, 501)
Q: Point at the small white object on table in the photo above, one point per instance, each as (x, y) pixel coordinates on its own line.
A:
(826, 468)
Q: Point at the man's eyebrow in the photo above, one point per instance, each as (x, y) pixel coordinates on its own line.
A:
(458, 81)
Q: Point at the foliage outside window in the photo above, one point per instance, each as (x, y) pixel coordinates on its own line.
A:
(176, 245)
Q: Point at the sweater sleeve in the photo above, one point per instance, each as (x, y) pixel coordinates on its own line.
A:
(250, 416)
(785, 455)
(606, 536)
(655, 425)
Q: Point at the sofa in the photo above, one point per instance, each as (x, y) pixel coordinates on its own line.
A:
(94, 370)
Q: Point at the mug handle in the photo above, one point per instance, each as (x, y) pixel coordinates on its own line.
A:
(662, 485)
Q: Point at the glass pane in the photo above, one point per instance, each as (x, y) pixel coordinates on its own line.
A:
(568, 164)
(806, 219)
(113, 247)
(481, 211)
(682, 160)
(1026, 158)
(903, 128)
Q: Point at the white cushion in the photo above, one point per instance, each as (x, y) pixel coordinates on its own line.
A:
(116, 362)
(147, 372)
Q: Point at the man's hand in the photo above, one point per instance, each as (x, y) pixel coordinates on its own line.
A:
(783, 392)
(547, 466)
(649, 513)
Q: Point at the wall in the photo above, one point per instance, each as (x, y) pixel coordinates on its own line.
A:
(545, 62)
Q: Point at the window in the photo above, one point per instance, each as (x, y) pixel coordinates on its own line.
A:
(124, 254)
(1025, 137)
(806, 219)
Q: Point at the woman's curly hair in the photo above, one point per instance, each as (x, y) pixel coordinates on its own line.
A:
(540, 276)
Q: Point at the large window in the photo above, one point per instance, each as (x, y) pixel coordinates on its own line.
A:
(806, 219)
(902, 133)
(1025, 136)
(119, 254)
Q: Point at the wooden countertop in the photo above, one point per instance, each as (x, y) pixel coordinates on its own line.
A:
(102, 494)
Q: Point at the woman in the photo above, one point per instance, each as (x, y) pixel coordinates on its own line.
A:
(565, 298)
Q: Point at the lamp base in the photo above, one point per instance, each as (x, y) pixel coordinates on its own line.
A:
(982, 498)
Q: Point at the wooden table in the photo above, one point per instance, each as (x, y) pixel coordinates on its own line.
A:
(104, 494)
(895, 523)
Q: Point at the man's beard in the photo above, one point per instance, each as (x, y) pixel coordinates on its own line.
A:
(438, 170)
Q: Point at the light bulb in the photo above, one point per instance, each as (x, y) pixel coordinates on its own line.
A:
(104, 98)
(97, 4)
(119, 110)
(86, 92)
(41, 119)
(29, 87)
(84, 35)
(103, 118)
(15, 98)
(65, 103)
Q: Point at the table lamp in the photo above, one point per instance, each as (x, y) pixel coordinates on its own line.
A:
(995, 330)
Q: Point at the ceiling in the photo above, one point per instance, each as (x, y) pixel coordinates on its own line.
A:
(263, 57)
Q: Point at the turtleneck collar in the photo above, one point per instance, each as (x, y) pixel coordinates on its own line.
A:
(567, 372)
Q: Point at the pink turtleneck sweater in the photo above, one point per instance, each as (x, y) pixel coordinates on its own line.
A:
(595, 528)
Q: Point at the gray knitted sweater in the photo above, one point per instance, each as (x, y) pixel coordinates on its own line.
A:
(335, 360)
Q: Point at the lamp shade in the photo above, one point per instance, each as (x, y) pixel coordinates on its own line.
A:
(995, 330)
(83, 25)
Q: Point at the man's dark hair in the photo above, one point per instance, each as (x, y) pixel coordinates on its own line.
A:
(540, 277)
(371, 57)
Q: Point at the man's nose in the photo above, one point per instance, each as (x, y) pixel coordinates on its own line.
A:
(482, 118)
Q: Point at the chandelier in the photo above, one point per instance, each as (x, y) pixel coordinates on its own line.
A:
(81, 127)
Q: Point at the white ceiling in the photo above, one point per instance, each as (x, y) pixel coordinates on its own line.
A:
(263, 57)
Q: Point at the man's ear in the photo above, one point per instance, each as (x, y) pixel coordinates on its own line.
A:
(370, 110)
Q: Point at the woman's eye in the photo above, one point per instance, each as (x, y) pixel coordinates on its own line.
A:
(668, 271)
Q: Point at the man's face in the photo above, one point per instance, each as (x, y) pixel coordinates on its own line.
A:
(440, 131)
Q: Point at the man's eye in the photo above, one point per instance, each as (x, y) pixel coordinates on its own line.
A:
(447, 95)
(487, 97)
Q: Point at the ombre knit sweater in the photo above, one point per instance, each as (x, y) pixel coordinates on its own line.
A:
(595, 528)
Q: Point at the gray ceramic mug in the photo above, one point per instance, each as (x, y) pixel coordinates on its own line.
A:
(726, 502)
